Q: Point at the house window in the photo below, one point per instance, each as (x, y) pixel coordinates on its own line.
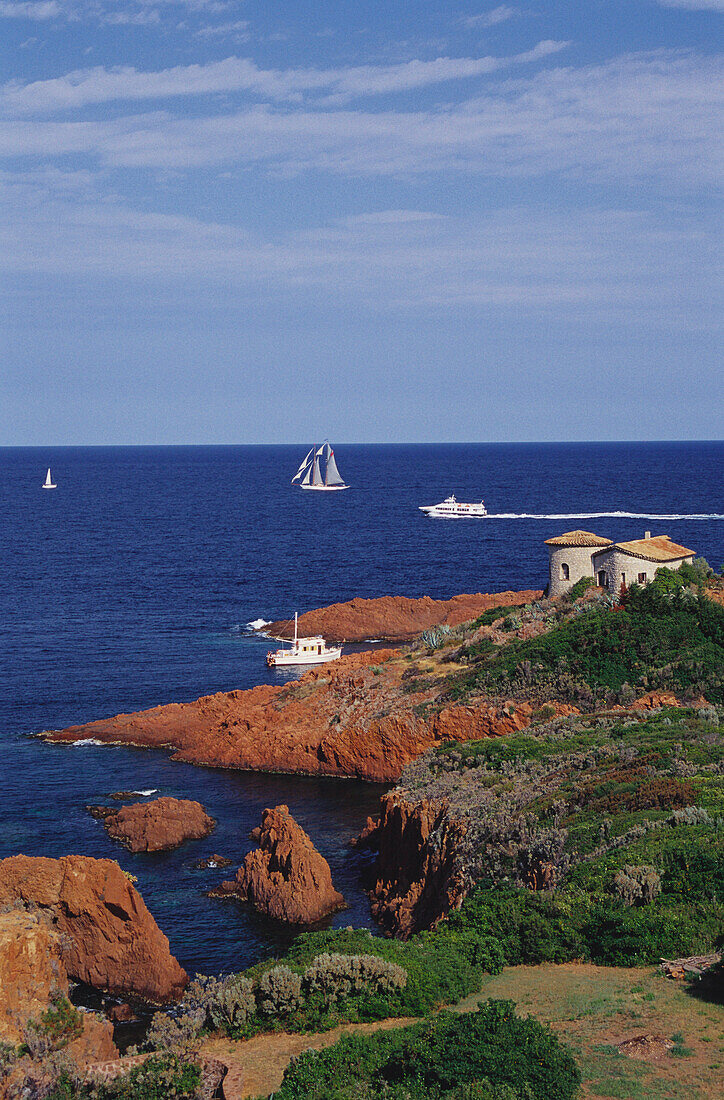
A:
(602, 579)
(642, 578)
(565, 571)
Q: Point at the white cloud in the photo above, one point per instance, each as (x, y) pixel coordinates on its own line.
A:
(90, 86)
(38, 10)
(652, 117)
(694, 5)
(604, 260)
(492, 17)
(146, 16)
(237, 29)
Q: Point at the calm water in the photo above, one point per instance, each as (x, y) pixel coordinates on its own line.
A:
(133, 582)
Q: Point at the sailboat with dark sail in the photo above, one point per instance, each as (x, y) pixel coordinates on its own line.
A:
(319, 470)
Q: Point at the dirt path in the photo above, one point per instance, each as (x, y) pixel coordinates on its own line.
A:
(256, 1066)
(592, 1009)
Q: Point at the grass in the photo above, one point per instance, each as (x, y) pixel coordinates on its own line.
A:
(593, 1009)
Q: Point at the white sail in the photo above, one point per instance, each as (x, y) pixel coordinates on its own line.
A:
(48, 483)
(303, 466)
(316, 472)
(306, 480)
(332, 476)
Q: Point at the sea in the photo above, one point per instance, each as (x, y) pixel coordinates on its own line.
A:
(135, 581)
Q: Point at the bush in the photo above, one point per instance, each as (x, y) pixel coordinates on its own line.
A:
(446, 1054)
(280, 991)
(233, 1003)
(339, 976)
(637, 885)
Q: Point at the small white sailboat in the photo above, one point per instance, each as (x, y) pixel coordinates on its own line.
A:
(304, 651)
(319, 470)
(48, 483)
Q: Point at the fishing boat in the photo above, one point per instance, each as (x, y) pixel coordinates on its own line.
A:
(319, 470)
(450, 508)
(48, 483)
(304, 651)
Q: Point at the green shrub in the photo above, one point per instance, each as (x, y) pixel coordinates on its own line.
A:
(581, 586)
(439, 1058)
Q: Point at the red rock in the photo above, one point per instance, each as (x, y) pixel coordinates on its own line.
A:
(108, 937)
(418, 875)
(31, 970)
(158, 825)
(121, 1013)
(395, 618)
(285, 877)
(338, 719)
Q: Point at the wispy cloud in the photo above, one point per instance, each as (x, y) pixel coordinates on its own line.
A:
(650, 117)
(38, 10)
(492, 17)
(694, 5)
(606, 260)
(237, 29)
(234, 74)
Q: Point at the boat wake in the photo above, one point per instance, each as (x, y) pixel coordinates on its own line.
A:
(603, 515)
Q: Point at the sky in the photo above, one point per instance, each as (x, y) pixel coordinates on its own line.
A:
(243, 221)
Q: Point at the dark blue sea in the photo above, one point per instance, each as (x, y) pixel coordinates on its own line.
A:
(133, 583)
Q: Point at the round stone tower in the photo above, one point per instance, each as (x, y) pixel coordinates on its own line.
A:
(570, 559)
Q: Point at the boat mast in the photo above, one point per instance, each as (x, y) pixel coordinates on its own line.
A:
(296, 614)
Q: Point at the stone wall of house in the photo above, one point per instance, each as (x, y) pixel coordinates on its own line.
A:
(578, 560)
(614, 568)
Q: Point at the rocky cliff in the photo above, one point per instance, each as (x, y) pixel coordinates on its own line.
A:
(158, 825)
(108, 937)
(395, 618)
(31, 972)
(362, 716)
(418, 877)
(285, 877)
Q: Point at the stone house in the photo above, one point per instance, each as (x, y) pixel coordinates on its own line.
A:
(577, 554)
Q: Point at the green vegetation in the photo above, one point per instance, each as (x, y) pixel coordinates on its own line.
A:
(618, 817)
(157, 1079)
(668, 636)
(492, 1054)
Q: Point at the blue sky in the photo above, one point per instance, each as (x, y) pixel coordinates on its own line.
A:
(253, 221)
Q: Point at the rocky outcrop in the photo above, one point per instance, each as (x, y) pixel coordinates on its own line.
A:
(355, 717)
(31, 973)
(285, 877)
(418, 876)
(395, 618)
(158, 825)
(108, 937)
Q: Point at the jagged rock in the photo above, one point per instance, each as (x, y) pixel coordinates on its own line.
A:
(31, 971)
(212, 862)
(158, 825)
(351, 717)
(395, 618)
(418, 876)
(285, 877)
(108, 937)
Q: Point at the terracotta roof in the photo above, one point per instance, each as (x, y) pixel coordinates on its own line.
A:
(578, 538)
(659, 548)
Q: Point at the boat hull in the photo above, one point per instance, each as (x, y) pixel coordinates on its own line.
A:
(50, 486)
(325, 488)
(285, 659)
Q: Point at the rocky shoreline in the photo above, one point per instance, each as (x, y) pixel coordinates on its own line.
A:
(394, 618)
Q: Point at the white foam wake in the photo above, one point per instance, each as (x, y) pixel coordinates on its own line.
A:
(87, 741)
(151, 790)
(603, 515)
(257, 624)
